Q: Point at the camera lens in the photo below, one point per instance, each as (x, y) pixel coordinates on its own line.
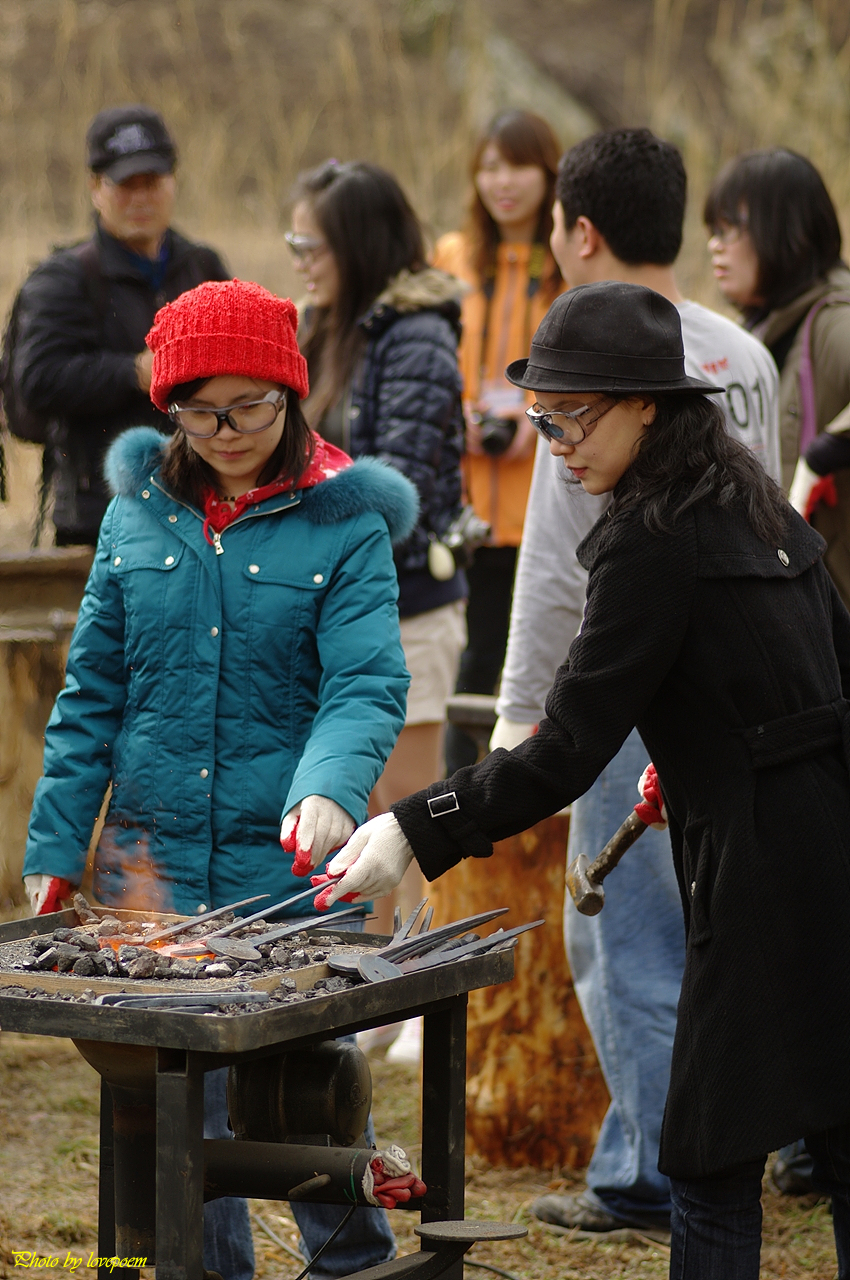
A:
(497, 434)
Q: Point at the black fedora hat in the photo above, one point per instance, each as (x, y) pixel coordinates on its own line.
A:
(613, 337)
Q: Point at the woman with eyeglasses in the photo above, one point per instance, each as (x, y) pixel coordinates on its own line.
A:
(775, 247)
(712, 626)
(380, 334)
(235, 674)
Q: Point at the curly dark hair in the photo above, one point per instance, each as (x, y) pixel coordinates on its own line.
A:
(781, 200)
(686, 455)
(632, 186)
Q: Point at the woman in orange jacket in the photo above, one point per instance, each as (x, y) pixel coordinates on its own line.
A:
(504, 255)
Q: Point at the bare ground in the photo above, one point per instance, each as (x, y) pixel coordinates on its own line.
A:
(48, 1187)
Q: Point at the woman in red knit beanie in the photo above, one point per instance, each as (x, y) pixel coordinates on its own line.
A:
(236, 664)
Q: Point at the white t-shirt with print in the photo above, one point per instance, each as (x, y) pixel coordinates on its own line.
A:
(550, 586)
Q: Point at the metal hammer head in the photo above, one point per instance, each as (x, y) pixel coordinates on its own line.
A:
(588, 896)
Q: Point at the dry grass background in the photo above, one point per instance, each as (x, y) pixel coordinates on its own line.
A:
(255, 90)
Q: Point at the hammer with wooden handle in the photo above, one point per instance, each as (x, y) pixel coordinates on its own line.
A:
(584, 879)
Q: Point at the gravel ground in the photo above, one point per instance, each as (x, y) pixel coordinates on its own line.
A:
(48, 1187)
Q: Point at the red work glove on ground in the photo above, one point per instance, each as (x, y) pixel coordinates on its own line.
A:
(390, 1188)
(652, 809)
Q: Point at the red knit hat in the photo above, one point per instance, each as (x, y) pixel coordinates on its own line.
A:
(225, 327)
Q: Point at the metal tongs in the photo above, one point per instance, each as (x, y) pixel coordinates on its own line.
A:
(219, 943)
(409, 953)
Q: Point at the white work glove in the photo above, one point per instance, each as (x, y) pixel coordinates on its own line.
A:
(311, 829)
(801, 486)
(46, 892)
(374, 861)
(510, 733)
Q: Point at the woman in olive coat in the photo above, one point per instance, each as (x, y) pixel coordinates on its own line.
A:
(712, 625)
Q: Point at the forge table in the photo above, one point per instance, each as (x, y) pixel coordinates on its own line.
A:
(183, 1046)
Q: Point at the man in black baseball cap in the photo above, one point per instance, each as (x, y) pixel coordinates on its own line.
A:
(124, 141)
(80, 363)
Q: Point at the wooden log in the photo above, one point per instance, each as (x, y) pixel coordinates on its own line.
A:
(40, 592)
(535, 1092)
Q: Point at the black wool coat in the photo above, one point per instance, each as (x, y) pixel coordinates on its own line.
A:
(732, 657)
(74, 359)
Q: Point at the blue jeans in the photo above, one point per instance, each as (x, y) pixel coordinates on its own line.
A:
(366, 1241)
(627, 965)
(716, 1222)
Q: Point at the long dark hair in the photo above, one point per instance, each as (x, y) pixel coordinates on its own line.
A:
(373, 234)
(686, 455)
(781, 200)
(189, 478)
(523, 138)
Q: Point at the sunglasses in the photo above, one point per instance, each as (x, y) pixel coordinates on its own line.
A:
(304, 247)
(571, 426)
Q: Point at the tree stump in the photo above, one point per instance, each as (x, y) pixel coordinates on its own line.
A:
(535, 1092)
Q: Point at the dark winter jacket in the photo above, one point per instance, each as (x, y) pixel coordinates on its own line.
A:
(405, 408)
(74, 359)
(216, 691)
(732, 657)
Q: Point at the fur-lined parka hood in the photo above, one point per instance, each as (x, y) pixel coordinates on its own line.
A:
(412, 291)
(367, 485)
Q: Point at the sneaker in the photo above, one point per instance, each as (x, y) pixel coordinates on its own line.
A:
(583, 1213)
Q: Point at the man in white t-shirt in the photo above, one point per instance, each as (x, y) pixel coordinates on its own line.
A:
(620, 202)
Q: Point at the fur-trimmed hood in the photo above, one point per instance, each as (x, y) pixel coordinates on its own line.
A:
(412, 291)
(367, 485)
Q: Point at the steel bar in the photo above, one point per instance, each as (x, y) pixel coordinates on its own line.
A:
(270, 1170)
(444, 1116)
(174, 929)
(179, 1166)
(106, 1185)
(261, 915)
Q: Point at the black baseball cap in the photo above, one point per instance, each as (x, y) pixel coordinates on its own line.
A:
(613, 337)
(123, 141)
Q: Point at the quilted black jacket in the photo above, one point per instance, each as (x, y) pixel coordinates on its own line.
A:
(732, 658)
(74, 360)
(405, 408)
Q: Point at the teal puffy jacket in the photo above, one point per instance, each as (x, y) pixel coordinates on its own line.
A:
(216, 691)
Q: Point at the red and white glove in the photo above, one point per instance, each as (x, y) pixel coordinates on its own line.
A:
(390, 1181)
(311, 829)
(370, 866)
(652, 810)
(810, 491)
(46, 893)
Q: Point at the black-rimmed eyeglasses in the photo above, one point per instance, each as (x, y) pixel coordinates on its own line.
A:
(246, 418)
(571, 426)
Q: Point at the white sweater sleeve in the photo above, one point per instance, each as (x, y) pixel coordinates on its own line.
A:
(549, 590)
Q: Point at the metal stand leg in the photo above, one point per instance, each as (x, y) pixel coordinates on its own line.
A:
(444, 1116)
(106, 1185)
(179, 1166)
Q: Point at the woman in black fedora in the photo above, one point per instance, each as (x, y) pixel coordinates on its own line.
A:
(712, 625)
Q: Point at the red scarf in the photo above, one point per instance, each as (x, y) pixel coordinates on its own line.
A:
(327, 461)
